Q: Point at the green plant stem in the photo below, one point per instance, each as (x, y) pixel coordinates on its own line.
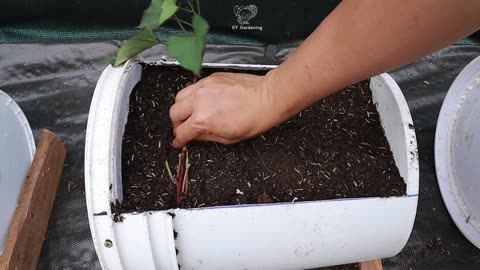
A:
(187, 10)
(179, 23)
(185, 176)
(185, 180)
(169, 172)
(191, 5)
(198, 7)
(179, 165)
(182, 21)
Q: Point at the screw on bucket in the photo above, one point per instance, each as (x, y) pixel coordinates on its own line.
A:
(108, 243)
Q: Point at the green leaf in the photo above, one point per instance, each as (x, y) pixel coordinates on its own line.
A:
(151, 15)
(169, 8)
(186, 51)
(189, 50)
(135, 45)
(111, 61)
(200, 26)
(157, 13)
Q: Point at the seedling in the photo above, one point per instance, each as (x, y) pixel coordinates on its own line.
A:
(188, 48)
(181, 178)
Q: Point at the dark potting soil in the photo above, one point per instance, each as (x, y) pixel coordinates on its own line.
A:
(334, 149)
(352, 266)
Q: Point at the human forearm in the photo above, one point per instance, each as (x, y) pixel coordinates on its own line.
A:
(359, 39)
(363, 38)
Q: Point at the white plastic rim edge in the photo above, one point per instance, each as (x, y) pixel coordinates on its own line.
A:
(21, 116)
(7, 101)
(384, 84)
(443, 144)
(100, 170)
(99, 166)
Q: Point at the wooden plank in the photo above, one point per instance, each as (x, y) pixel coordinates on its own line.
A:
(29, 225)
(371, 265)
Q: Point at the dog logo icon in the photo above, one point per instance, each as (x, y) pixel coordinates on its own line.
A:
(245, 13)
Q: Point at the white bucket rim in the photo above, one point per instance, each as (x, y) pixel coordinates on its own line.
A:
(455, 202)
(28, 139)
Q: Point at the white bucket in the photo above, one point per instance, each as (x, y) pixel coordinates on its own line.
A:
(17, 148)
(273, 236)
(457, 149)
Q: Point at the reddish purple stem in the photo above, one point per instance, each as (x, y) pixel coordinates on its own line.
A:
(181, 195)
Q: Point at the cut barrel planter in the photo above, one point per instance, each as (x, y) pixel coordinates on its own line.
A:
(297, 235)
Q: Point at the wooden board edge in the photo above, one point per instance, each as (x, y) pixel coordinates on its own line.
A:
(27, 231)
(371, 265)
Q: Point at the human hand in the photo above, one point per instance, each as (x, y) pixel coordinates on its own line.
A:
(224, 108)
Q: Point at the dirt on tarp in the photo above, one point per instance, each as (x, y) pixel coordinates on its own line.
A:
(334, 149)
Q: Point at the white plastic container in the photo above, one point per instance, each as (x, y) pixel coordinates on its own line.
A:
(17, 148)
(457, 148)
(274, 236)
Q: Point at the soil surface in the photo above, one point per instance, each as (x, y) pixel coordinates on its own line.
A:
(334, 149)
(353, 266)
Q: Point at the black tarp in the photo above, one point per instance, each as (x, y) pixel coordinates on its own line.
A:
(267, 21)
(54, 84)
